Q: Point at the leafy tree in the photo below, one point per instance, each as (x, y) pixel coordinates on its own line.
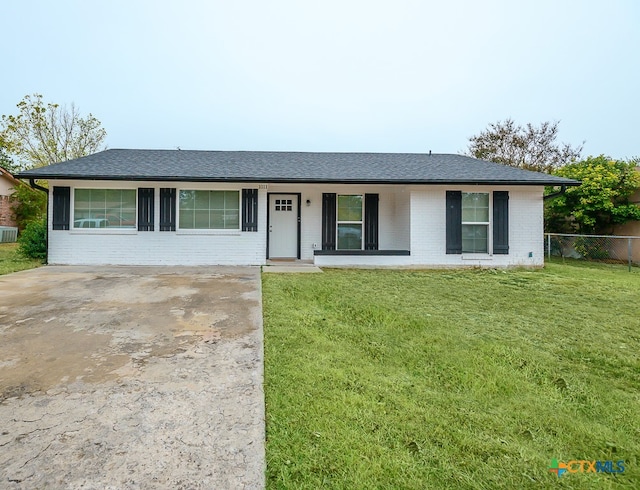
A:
(28, 205)
(42, 134)
(528, 147)
(5, 161)
(602, 200)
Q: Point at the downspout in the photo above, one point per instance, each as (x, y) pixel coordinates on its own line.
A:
(562, 190)
(34, 185)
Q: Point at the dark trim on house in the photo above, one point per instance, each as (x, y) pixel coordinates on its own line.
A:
(268, 227)
(61, 215)
(454, 222)
(329, 219)
(249, 209)
(371, 221)
(563, 189)
(501, 222)
(362, 252)
(245, 180)
(168, 209)
(146, 206)
(32, 183)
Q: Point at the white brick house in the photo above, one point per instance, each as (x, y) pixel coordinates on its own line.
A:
(152, 207)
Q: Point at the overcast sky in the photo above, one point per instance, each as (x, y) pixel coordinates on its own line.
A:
(380, 76)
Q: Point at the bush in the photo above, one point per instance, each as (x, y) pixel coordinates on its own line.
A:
(33, 240)
(591, 248)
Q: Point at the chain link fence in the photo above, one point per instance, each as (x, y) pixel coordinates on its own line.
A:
(599, 248)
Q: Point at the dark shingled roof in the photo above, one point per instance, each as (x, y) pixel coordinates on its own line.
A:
(269, 166)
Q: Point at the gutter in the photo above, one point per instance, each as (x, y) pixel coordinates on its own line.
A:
(275, 180)
(32, 183)
(562, 190)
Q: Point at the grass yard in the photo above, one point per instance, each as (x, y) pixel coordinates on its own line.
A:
(452, 379)
(12, 261)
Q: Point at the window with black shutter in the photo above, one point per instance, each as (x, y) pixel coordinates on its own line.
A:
(167, 209)
(249, 209)
(501, 222)
(328, 221)
(467, 222)
(145, 208)
(371, 221)
(454, 222)
(61, 208)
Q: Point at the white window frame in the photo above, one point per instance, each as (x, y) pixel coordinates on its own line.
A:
(208, 231)
(344, 222)
(483, 223)
(104, 230)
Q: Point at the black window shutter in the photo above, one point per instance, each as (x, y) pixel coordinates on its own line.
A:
(167, 209)
(454, 222)
(145, 209)
(371, 221)
(61, 208)
(501, 222)
(328, 221)
(249, 209)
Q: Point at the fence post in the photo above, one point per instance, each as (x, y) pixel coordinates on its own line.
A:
(549, 246)
(629, 252)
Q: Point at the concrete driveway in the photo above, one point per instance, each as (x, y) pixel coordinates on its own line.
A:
(131, 377)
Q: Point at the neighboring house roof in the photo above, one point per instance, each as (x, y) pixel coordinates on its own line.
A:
(281, 167)
(6, 174)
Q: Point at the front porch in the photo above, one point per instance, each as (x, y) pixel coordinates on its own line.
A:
(290, 267)
(361, 258)
(361, 252)
(341, 224)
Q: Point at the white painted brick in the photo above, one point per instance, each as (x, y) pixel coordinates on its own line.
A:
(101, 247)
(428, 227)
(411, 218)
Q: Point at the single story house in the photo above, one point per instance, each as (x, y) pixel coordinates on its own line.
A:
(177, 207)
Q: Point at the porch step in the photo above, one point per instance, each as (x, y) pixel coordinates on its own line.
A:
(291, 268)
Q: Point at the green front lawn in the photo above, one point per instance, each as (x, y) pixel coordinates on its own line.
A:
(452, 379)
(12, 261)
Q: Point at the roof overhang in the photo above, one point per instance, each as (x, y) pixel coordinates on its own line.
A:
(146, 178)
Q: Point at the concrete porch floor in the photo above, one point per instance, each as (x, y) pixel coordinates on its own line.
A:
(290, 266)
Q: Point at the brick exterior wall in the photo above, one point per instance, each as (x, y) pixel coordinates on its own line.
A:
(132, 247)
(6, 213)
(410, 218)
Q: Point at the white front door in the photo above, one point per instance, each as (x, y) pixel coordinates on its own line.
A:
(283, 226)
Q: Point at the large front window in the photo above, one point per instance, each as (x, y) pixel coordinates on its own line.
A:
(209, 210)
(104, 208)
(475, 222)
(349, 222)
